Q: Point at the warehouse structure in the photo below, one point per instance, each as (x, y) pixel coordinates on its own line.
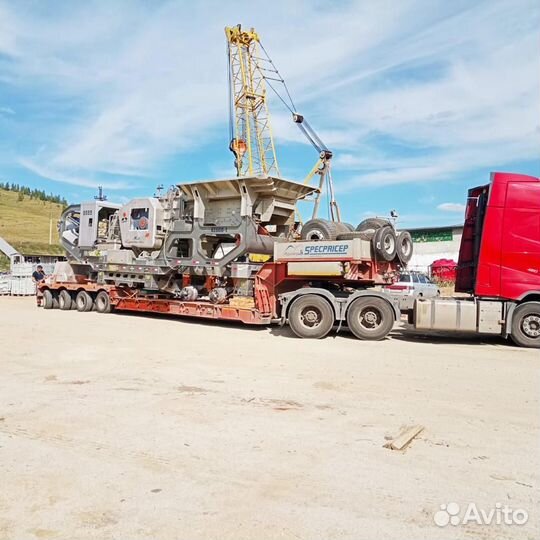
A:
(18, 281)
(434, 243)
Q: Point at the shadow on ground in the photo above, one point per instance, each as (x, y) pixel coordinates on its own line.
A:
(402, 333)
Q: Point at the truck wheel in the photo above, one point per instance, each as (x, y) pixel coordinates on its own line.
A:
(526, 325)
(319, 229)
(311, 316)
(64, 300)
(103, 302)
(404, 246)
(370, 318)
(84, 301)
(48, 300)
(385, 243)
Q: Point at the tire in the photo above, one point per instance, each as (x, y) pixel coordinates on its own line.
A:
(64, 300)
(344, 228)
(48, 299)
(311, 316)
(84, 302)
(526, 325)
(370, 226)
(385, 243)
(370, 318)
(352, 236)
(103, 302)
(319, 229)
(404, 246)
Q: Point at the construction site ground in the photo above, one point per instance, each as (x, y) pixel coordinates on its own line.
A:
(136, 427)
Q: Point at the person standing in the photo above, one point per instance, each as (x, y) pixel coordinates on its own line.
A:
(38, 275)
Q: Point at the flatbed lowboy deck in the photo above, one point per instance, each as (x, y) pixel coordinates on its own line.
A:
(312, 286)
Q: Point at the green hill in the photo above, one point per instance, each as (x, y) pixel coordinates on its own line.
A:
(24, 223)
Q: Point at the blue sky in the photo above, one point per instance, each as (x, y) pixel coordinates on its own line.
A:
(419, 100)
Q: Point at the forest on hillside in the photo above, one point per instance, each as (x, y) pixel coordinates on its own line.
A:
(32, 194)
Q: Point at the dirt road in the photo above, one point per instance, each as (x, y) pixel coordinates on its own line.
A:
(128, 427)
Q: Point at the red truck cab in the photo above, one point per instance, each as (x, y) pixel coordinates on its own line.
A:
(500, 248)
(499, 265)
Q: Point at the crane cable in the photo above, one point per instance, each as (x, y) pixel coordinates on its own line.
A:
(304, 126)
(292, 108)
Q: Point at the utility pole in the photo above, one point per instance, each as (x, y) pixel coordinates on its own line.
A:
(50, 223)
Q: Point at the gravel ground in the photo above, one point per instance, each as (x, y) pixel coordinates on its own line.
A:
(132, 427)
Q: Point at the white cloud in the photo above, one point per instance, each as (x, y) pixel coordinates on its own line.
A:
(52, 174)
(451, 207)
(457, 83)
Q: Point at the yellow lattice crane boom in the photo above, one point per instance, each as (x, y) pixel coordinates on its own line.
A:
(251, 134)
(251, 71)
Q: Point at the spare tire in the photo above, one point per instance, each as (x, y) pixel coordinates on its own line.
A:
(370, 226)
(351, 236)
(404, 246)
(319, 229)
(385, 243)
(345, 227)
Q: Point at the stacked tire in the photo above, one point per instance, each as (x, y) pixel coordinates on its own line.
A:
(388, 244)
(322, 229)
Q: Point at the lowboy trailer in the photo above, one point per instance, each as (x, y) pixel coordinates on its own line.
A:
(229, 249)
(310, 285)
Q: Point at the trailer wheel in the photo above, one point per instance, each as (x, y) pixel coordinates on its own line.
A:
(84, 301)
(370, 318)
(64, 300)
(103, 302)
(48, 299)
(311, 316)
(526, 325)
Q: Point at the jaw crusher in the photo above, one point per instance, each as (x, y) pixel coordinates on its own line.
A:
(203, 238)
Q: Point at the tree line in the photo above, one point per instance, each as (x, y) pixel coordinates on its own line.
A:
(37, 194)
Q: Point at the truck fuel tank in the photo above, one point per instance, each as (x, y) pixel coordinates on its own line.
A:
(457, 315)
(445, 314)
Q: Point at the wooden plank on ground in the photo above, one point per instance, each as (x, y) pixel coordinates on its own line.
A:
(404, 438)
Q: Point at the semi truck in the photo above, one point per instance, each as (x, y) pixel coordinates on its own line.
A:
(313, 285)
(498, 265)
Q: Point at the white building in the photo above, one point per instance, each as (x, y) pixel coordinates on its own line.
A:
(433, 243)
